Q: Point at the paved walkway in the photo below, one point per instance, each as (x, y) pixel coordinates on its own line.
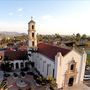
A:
(11, 82)
(78, 87)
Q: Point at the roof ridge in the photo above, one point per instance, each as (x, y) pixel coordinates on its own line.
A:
(53, 45)
(50, 50)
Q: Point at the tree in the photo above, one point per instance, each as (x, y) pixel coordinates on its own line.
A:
(78, 37)
(39, 37)
(84, 36)
(73, 37)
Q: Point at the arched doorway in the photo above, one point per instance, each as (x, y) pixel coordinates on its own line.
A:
(17, 66)
(22, 65)
(70, 82)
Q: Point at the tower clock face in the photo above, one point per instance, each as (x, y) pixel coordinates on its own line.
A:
(0, 57)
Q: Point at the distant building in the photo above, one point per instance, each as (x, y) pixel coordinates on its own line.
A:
(66, 66)
(17, 58)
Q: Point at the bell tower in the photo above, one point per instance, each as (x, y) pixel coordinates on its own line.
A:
(32, 39)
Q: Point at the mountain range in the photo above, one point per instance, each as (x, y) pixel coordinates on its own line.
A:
(10, 34)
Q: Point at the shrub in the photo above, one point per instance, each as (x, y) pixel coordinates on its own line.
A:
(40, 80)
(22, 74)
(44, 81)
(15, 74)
(52, 82)
(30, 73)
(6, 75)
(35, 76)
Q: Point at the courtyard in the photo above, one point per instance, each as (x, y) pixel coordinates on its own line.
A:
(30, 84)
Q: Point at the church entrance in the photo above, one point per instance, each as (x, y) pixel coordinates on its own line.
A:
(70, 82)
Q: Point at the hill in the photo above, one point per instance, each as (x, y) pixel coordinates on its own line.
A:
(10, 34)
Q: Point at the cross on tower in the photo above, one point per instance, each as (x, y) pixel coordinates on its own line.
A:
(31, 18)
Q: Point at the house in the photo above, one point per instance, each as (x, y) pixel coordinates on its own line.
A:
(65, 65)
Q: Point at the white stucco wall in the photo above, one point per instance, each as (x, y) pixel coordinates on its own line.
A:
(63, 66)
(83, 64)
(39, 59)
(58, 70)
(29, 43)
(60, 65)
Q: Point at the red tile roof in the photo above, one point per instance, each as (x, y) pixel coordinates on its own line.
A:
(15, 55)
(50, 51)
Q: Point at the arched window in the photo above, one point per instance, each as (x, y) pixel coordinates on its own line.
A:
(17, 66)
(72, 67)
(33, 35)
(32, 43)
(22, 65)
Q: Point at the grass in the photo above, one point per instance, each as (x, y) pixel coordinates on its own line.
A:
(88, 59)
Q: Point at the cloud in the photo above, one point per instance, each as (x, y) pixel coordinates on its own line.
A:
(10, 13)
(20, 9)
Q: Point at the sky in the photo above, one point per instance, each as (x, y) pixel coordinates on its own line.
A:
(51, 16)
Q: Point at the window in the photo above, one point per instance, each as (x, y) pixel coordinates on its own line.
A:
(22, 65)
(33, 35)
(17, 66)
(39, 64)
(32, 43)
(53, 73)
(43, 67)
(47, 69)
(72, 67)
(32, 26)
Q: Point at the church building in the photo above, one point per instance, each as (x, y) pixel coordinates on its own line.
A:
(65, 65)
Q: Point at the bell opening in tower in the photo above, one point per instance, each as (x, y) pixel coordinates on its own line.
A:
(32, 26)
(32, 43)
(32, 35)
